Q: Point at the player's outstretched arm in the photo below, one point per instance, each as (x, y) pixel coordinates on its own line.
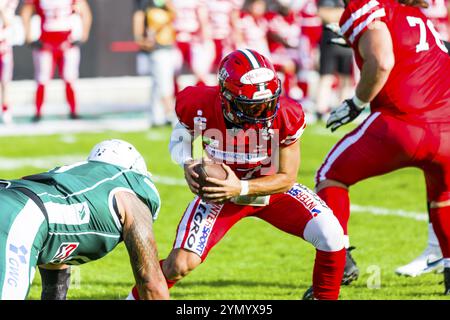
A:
(140, 242)
(376, 50)
(26, 13)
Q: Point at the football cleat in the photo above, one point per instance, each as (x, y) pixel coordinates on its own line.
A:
(309, 294)
(351, 271)
(447, 281)
(430, 260)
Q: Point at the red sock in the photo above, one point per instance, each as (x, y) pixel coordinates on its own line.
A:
(40, 92)
(338, 200)
(328, 272)
(440, 217)
(170, 283)
(4, 107)
(70, 95)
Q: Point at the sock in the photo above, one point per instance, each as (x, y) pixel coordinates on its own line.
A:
(447, 263)
(432, 238)
(338, 200)
(70, 95)
(328, 272)
(134, 294)
(440, 218)
(4, 107)
(40, 92)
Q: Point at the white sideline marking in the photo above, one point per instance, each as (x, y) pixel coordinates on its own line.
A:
(52, 161)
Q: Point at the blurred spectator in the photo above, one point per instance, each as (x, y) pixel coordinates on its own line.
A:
(311, 33)
(438, 13)
(64, 26)
(7, 12)
(155, 35)
(253, 27)
(223, 20)
(333, 60)
(193, 38)
(284, 40)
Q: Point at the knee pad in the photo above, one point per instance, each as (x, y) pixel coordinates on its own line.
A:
(324, 232)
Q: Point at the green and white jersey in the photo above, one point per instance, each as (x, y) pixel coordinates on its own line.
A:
(83, 223)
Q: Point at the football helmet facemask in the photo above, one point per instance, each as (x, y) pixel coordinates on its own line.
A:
(249, 89)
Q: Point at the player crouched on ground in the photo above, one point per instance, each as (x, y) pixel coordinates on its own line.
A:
(79, 213)
(245, 125)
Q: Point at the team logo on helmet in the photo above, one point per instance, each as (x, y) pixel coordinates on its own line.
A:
(223, 74)
(257, 76)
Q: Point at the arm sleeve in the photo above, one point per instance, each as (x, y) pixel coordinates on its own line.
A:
(293, 122)
(180, 145)
(357, 17)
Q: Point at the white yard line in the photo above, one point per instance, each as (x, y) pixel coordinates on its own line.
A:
(52, 161)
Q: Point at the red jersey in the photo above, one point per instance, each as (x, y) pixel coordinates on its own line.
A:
(311, 24)
(254, 32)
(187, 23)
(219, 12)
(437, 12)
(202, 107)
(56, 22)
(287, 27)
(418, 87)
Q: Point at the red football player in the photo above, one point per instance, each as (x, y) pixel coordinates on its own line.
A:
(57, 44)
(404, 77)
(245, 125)
(7, 12)
(223, 20)
(284, 41)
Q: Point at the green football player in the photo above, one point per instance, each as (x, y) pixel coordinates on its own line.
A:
(79, 213)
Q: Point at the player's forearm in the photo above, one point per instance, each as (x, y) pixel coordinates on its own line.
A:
(86, 17)
(277, 183)
(374, 74)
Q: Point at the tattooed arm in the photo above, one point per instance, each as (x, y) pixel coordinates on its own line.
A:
(141, 246)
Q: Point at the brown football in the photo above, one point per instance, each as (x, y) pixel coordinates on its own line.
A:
(209, 169)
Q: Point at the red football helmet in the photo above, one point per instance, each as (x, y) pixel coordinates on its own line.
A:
(249, 89)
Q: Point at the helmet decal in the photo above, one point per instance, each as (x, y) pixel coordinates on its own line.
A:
(257, 76)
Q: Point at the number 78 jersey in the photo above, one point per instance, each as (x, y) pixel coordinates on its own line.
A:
(418, 85)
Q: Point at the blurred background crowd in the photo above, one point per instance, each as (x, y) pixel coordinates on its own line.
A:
(175, 43)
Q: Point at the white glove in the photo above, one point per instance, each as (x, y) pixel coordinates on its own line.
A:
(345, 113)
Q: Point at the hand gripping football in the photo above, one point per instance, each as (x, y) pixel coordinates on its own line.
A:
(209, 169)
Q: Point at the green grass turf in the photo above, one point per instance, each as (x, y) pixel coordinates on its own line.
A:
(255, 260)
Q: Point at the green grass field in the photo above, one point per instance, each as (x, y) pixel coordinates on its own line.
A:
(254, 260)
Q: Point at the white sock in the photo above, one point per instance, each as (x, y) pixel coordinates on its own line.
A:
(432, 239)
(346, 241)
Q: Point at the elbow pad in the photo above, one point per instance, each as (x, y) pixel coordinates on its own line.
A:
(180, 145)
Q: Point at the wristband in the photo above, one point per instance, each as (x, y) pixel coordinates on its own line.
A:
(359, 103)
(244, 188)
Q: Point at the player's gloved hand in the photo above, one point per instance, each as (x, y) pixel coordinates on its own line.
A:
(339, 39)
(345, 113)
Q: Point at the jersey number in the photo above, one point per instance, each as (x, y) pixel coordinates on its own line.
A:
(423, 44)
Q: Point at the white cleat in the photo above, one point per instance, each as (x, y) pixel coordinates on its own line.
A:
(430, 260)
(7, 117)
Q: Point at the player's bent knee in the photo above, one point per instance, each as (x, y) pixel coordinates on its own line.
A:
(329, 183)
(324, 232)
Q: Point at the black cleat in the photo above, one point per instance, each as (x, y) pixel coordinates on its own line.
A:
(309, 294)
(351, 271)
(74, 116)
(447, 281)
(36, 118)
